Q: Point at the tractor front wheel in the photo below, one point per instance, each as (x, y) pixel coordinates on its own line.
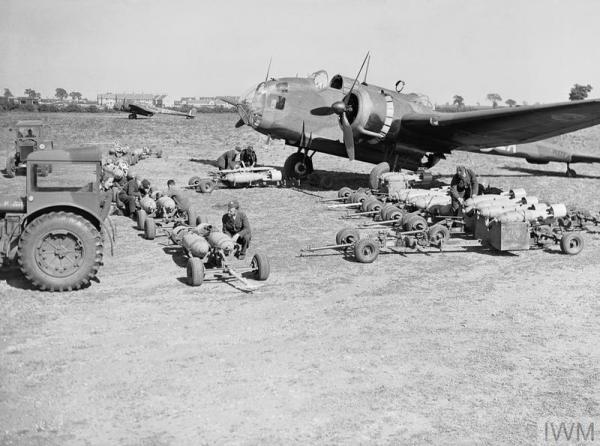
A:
(60, 251)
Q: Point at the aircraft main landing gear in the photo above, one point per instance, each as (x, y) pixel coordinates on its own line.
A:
(570, 172)
(132, 116)
(297, 166)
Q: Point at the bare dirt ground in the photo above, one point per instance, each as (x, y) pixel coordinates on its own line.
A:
(451, 348)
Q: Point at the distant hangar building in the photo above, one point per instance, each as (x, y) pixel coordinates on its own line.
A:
(109, 99)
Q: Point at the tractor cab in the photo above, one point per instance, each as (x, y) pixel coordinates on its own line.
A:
(29, 138)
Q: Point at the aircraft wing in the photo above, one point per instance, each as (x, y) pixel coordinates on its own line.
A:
(141, 109)
(499, 127)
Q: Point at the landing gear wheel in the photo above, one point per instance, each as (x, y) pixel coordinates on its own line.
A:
(366, 250)
(132, 116)
(194, 181)
(260, 266)
(571, 243)
(195, 271)
(297, 166)
(571, 173)
(11, 166)
(376, 172)
(141, 219)
(150, 229)
(60, 251)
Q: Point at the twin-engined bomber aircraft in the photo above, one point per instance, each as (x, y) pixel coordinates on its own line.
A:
(135, 108)
(401, 131)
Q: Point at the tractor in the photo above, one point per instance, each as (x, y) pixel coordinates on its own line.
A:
(55, 232)
(29, 138)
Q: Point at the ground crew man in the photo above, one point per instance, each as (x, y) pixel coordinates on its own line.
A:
(464, 185)
(236, 225)
(129, 194)
(248, 156)
(227, 160)
(179, 196)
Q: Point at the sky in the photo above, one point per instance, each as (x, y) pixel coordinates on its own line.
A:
(526, 50)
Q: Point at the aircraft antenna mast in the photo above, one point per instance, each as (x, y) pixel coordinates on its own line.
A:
(367, 69)
(268, 69)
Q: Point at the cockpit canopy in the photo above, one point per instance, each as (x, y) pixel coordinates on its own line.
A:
(320, 78)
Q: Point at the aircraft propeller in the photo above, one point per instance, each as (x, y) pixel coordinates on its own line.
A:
(341, 108)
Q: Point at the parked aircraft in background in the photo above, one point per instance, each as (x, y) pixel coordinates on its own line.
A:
(135, 108)
(400, 131)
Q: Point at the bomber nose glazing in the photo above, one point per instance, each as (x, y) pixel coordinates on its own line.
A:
(252, 104)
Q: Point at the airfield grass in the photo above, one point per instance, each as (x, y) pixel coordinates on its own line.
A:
(465, 347)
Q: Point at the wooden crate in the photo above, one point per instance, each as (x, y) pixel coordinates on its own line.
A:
(511, 236)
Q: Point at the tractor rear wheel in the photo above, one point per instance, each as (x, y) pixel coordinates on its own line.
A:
(60, 251)
(195, 271)
(366, 250)
(260, 266)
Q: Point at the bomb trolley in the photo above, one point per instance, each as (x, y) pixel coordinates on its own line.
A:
(395, 240)
(239, 177)
(209, 252)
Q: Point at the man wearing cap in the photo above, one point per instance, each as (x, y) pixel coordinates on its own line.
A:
(132, 190)
(236, 225)
(227, 160)
(464, 185)
(248, 157)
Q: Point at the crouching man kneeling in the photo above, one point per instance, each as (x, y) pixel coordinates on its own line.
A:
(236, 225)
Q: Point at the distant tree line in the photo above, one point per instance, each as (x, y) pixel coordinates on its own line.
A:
(578, 92)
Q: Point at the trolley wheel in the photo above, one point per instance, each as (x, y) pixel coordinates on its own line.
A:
(344, 192)
(141, 219)
(194, 181)
(260, 266)
(571, 243)
(195, 271)
(206, 186)
(11, 166)
(150, 228)
(414, 222)
(366, 250)
(192, 216)
(346, 235)
(438, 234)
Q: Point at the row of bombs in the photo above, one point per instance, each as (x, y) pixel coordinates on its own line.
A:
(510, 206)
(204, 245)
(546, 223)
(117, 165)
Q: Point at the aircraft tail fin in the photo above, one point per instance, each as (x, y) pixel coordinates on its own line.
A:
(191, 114)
